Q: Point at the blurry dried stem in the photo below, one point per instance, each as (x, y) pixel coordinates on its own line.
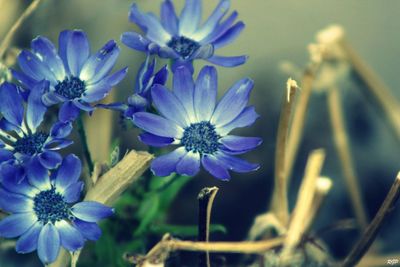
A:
(389, 104)
(378, 260)
(299, 114)
(280, 204)
(111, 185)
(343, 150)
(373, 228)
(206, 199)
(160, 252)
(301, 212)
(8, 38)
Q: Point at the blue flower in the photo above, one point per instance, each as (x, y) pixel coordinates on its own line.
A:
(183, 39)
(76, 77)
(191, 118)
(45, 215)
(23, 144)
(141, 98)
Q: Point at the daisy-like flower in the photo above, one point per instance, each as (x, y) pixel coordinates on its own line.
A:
(183, 38)
(44, 213)
(76, 77)
(141, 98)
(22, 144)
(191, 118)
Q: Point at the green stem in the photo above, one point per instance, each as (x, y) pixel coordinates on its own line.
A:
(85, 146)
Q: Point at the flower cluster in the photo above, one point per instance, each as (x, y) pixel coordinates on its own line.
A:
(38, 187)
(41, 189)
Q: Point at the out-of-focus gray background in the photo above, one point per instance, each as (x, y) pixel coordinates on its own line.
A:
(275, 31)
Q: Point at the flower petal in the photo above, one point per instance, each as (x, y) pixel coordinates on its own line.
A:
(215, 167)
(166, 164)
(13, 180)
(239, 143)
(90, 231)
(246, 118)
(38, 175)
(169, 18)
(46, 51)
(48, 244)
(155, 140)
(15, 203)
(16, 224)
(213, 20)
(36, 109)
(91, 211)
(157, 125)
(189, 164)
(69, 172)
(229, 36)
(100, 64)
(68, 112)
(135, 41)
(11, 104)
(28, 242)
(5, 155)
(233, 102)
(77, 51)
(205, 93)
(73, 192)
(50, 159)
(71, 238)
(237, 164)
(21, 77)
(61, 129)
(32, 66)
(183, 86)
(169, 106)
(227, 61)
(190, 18)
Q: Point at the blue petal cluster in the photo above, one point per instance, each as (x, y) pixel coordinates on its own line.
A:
(45, 213)
(184, 39)
(190, 118)
(25, 148)
(76, 78)
(141, 100)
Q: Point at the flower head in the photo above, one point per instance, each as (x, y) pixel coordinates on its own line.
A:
(22, 142)
(191, 118)
(44, 213)
(141, 98)
(183, 38)
(76, 77)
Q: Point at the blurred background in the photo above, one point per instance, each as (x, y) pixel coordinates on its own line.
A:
(276, 31)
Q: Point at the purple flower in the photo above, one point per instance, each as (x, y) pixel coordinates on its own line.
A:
(29, 149)
(141, 98)
(44, 213)
(191, 119)
(76, 77)
(183, 39)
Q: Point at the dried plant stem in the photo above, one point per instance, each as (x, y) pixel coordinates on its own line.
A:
(378, 89)
(280, 204)
(8, 38)
(343, 150)
(324, 185)
(206, 199)
(304, 201)
(378, 260)
(160, 252)
(373, 228)
(299, 116)
(111, 185)
(85, 145)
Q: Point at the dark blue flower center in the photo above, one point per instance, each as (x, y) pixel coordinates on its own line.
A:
(201, 137)
(50, 206)
(31, 144)
(185, 47)
(71, 88)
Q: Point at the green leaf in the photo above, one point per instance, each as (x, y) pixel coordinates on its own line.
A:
(147, 213)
